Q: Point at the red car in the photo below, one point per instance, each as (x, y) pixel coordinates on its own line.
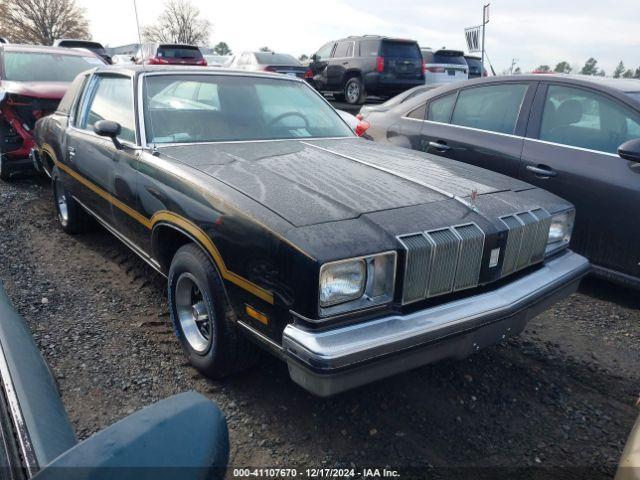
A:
(169, 54)
(33, 80)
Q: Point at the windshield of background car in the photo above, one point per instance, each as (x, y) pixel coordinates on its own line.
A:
(46, 67)
(400, 49)
(218, 108)
(182, 52)
(276, 59)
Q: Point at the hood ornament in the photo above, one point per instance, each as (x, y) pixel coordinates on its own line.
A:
(471, 204)
(474, 198)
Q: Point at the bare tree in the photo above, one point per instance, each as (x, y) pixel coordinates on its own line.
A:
(42, 21)
(180, 22)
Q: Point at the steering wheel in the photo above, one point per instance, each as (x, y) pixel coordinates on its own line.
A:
(290, 114)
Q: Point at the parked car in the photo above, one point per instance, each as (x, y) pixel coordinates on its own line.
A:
(350, 260)
(358, 126)
(268, 62)
(169, 54)
(357, 66)
(186, 431)
(562, 133)
(33, 79)
(93, 47)
(218, 60)
(476, 70)
(4, 40)
(444, 66)
(123, 60)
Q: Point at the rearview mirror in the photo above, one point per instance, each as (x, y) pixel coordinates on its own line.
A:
(107, 128)
(630, 150)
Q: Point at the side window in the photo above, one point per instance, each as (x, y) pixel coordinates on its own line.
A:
(110, 98)
(418, 113)
(344, 49)
(325, 51)
(440, 108)
(494, 108)
(369, 48)
(586, 119)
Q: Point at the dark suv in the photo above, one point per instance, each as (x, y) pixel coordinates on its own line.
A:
(354, 67)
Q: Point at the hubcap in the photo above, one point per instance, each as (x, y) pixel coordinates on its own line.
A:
(61, 199)
(193, 313)
(353, 92)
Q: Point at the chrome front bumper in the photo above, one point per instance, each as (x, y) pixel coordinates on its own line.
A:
(329, 362)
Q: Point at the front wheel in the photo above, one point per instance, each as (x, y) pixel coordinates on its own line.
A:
(354, 91)
(203, 319)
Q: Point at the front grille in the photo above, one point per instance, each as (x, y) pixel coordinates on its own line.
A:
(448, 260)
(527, 240)
(441, 261)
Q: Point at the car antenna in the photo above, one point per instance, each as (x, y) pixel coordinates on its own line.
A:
(154, 150)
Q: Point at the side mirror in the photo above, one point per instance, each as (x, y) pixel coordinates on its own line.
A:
(107, 128)
(630, 150)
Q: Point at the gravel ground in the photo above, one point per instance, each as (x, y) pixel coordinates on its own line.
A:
(560, 395)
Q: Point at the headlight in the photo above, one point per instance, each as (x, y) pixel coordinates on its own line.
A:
(560, 231)
(341, 282)
(357, 283)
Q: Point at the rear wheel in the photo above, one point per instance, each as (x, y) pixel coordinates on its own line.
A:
(354, 91)
(72, 217)
(202, 318)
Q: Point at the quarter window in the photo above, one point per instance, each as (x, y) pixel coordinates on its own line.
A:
(418, 113)
(494, 108)
(586, 119)
(440, 109)
(110, 98)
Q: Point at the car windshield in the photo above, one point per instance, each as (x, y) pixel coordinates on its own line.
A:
(46, 67)
(219, 108)
(276, 59)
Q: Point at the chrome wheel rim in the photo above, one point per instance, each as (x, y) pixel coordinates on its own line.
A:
(193, 313)
(61, 201)
(353, 92)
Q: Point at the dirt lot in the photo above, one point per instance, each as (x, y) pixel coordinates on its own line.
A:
(560, 395)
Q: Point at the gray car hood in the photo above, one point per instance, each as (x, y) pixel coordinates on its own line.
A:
(309, 182)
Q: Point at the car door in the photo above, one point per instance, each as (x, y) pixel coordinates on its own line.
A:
(571, 150)
(105, 175)
(319, 64)
(482, 125)
(340, 61)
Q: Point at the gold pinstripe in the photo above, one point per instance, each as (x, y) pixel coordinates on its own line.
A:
(173, 219)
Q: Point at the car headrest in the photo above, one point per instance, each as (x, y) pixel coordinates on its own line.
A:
(570, 111)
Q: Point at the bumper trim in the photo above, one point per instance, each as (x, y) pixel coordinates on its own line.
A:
(332, 352)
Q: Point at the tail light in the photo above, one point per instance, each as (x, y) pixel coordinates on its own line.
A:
(308, 74)
(485, 73)
(269, 69)
(435, 69)
(424, 67)
(362, 127)
(202, 62)
(380, 64)
(157, 61)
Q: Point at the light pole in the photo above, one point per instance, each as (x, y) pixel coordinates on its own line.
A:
(485, 20)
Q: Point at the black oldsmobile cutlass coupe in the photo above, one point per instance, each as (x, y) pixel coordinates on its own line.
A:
(275, 225)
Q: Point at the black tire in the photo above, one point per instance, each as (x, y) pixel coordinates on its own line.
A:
(74, 219)
(354, 91)
(227, 350)
(5, 170)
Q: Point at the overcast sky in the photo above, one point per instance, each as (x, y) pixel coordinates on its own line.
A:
(533, 32)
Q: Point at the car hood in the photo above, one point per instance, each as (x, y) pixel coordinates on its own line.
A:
(310, 182)
(46, 90)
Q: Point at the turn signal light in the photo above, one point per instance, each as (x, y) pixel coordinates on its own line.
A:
(362, 127)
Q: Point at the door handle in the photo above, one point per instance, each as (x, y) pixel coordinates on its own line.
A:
(72, 151)
(443, 147)
(345, 63)
(542, 171)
